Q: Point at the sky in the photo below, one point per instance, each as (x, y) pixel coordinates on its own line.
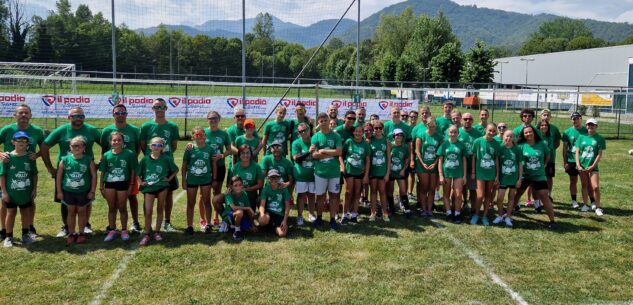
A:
(147, 13)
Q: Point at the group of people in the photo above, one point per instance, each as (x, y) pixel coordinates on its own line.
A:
(307, 160)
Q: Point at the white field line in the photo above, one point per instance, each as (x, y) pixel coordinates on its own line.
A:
(480, 262)
(103, 292)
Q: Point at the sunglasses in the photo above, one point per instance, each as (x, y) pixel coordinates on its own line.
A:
(213, 119)
(302, 131)
(413, 116)
(22, 140)
(398, 135)
(300, 110)
(378, 128)
(120, 113)
(404, 116)
(78, 116)
(467, 119)
(274, 178)
(240, 116)
(157, 145)
(576, 119)
(351, 118)
(502, 127)
(161, 107)
(368, 130)
(528, 116)
(245, 152)
(76, 145)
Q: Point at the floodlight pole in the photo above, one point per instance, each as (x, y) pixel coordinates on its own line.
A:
(243, 52)
(526, 60)
(358, 48)
(114, 89)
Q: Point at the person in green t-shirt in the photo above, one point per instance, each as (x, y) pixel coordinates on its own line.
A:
(509, 177)
(237, 210)
(251, 174)
(452, 172)
(155, 171)
(589, 150)
(18, 180)
(485, 164)
(279, 130)
(548, 136)
(400, 155)
(425, 113)
(467, 135)
(355, 160)
(427, 143)
(346, 131)
(274, 205)
(234, 131)
(445, 121)
(570, 136)
(198, 169)
(332, 112)
(76, 183)
(378, 175)
(546, 115)
(397, 122)
(326, 147)
(361, 113)
(303, 172)
(250, 139)
(117, 166)
(280, 163)
(300, 110)
(483, 121)
(535, 154)
(502, 127)
(62, 136)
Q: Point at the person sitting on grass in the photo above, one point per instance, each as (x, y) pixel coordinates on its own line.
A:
(154, 177)
(274, 204)
(509, 178)
(18, 180)
(76, 183)
(198, 169)
(237, 210)
(117, 166)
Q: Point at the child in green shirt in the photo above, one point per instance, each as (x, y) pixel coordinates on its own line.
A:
(274, 204)
(237, 210)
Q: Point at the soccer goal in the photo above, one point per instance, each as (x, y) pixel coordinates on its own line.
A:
(37, 73)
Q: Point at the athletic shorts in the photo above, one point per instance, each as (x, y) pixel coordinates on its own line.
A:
(118, 186)
(12, 205)
(156, 192)
(471, 183)
(221, 174)
(504, 187)
(173, 184)
(392, 178)
(571, 169)
(376, 177)
(322, 185)
(550, 170)
(304, 187)
(76, 199)
(536, 185)
(193, 186)
(275, 219)
(360, 176)
(135, 187)
(410, 170)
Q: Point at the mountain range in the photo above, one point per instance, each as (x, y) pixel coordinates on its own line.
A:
(469, 22)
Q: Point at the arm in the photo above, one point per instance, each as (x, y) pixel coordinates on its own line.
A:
(497, 171)
(473, 162)
(518, 185)
(418, 146)
(441, 169)
(464, 162)
(35, 181)
(174, 146)
(183, 173)
(578, 159)
(102, 183)
(58, 181)
(46, 157)
(3, 185)
(93, 184)
(595, 162)
(367, 167)
(388, 153)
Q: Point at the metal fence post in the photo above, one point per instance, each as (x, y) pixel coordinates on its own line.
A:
(494, 102)
(317, 98)
(55, 102)
(186, 105)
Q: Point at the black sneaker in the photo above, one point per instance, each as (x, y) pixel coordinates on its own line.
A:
(317, 222)
(208, 229)
(517, 208)
(344, 220)
(354, 220)
(457, 219)
(3, 234)
(32, 230)
(189, 231)
(136, 227)
(539, 210)
(238, 236)
(552, 225)
(333, 225)
(450, 217)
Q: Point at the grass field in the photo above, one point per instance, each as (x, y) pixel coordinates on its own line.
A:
(588, 260)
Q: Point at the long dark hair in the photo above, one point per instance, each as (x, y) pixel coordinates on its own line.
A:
(549, 130)
(522, 139)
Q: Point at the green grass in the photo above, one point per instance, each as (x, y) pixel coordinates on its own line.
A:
(588, 260)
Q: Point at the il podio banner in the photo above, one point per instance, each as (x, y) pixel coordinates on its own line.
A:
(100, 106)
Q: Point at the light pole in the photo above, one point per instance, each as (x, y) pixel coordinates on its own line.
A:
(501, 62)
(526, 60)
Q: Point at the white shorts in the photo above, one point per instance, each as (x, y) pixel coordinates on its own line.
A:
(304, 187)
(321, 185)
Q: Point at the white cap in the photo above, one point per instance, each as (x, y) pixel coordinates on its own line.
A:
(397, 131)
(592, 121)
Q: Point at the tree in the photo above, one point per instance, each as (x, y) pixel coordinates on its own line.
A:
(4, 42)
(18, 30)
(388, 67)
(394, 31)
(447, 64)
(405, 69)
(478, 66)
(556, 36)
(40, 48)
(585, 42)
(263, 28)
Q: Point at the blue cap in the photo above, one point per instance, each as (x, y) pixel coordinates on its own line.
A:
(20, 134)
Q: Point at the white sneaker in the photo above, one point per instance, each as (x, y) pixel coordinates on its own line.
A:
(593, 207)
(537, 203)
(168, 228)
(62, 232)
(599, 212)
(8, 242)
(584, 208)
(87, 230)
(574, 204)
(497, 220)
(437, 196)
(224, 227)
(299, 221)
(508, 222)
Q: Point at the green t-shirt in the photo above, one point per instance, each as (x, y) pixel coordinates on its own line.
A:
(590, 147)
(252, 143)
(517, 132)
(329, 167)
(76, 176)
(468, 138)
(241, 200)
(218, 140)
(418, 130)
(36, 136)
(354, 156)
(453, 162)
(19, 173)
(556, 136)
(283, 165)
(399, 154)
(63, 134)
(167, 131)
(295, 128)
(509, 158)
(233, 131)
(131, 137)
(199, 168)
(480, 128)
(344, 133)
(498, 139)
(549, 141)
(153, 171)
(278, 131)
(250, 174)
(533, 159)
(390, 126)
(443, 124)
(275, 199)
(378, 167)
(118, 167)
(570, 135)
(428, 150)
(303, 171)
(486, 153)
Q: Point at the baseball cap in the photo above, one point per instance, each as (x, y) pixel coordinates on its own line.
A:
(20, 135)
(273, 173)
(576, 114)
(397, 131)
(248, 122)
(276, 142)
(592, 121)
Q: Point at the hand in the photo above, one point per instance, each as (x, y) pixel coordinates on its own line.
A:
(129, 189)
(262, 211)
(442, 180)
(566, 166)
(366, 180)
(33, 194)
(91, 195)
(60, 196)
(189, 146)
(33, 156)
(312, 149)
(102, 189)
(143, 183)
(518, 185)
(217, 157)
(431, 167)
(214, 184)
(5, 199)
(285, 185)
(412, 164)
(402, 172)
(590, 169)
(5, 157)
(496, 183)
(284, 225)
(386, 178)
(53, 172)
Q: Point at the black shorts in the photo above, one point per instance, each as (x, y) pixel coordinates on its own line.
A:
(360, 176)
(221, 174)
(76, 199)
(376, 177)
(156, 192)
(275, 219)
(408, 171)
(536, 185)
(550, 170)
(173, 184)
(12, 205)
(571, 169)
(503, 187)
(193, 186)
(392, 178)
(118, 186)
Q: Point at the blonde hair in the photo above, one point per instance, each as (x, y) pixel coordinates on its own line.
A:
(79, 139)
(197, 128)
(117, 133)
